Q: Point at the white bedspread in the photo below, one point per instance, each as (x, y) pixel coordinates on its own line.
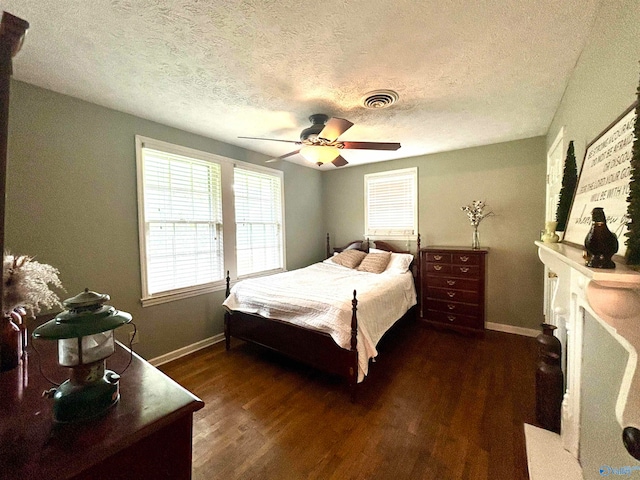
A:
(319, 297)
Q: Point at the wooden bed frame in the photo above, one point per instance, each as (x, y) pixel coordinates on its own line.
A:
(308, 346)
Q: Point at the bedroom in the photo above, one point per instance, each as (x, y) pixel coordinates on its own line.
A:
(72, 192)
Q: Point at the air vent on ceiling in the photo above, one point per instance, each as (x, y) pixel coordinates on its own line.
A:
(379, 99)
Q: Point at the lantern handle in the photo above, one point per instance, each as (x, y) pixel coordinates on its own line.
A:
(135, 330)
(35, 349)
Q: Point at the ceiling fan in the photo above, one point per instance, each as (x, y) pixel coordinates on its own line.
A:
(320, 142)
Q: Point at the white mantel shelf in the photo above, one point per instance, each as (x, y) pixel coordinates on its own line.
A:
(619, 277)
(613, 297)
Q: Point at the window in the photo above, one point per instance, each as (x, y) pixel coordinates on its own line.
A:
(183, 221)
(258, 201)
(187, 203)
(391, 204)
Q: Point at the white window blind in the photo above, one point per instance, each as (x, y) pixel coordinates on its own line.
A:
(182, 221)
(391, 203)
(259, 232)
(201, 215)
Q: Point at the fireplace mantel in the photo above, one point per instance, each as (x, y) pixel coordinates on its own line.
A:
(612, 296)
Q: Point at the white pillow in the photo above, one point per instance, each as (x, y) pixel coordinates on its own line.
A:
(399, 262)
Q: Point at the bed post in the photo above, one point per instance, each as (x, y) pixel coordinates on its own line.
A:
(418, 277)
(353, 369)
(328, 246)
(227, 319)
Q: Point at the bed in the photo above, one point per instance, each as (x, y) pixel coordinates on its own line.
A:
(328, 315)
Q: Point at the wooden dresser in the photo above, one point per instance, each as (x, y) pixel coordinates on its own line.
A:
(146, 435)
(452, 288)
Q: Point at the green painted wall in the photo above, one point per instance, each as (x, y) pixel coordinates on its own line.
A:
(602, 86)
(72, 203)
(605, 79)
(510, 177)
(603, 365)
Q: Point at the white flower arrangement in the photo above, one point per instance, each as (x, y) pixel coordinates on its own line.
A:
(27, 285)
(475, 212)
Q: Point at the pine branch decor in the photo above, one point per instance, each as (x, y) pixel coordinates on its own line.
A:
(569, 181)
(633, 208)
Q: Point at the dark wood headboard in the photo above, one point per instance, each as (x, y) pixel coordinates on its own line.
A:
(380, 245)
(364, 245)
(415, 265)
(356, 244)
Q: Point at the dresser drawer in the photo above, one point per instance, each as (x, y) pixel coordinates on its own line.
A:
(453, 307)
(453, 295)
(455, 319)
(464, 271)
(451, 282)
(438, 268)
(465, 259)
(438, 257)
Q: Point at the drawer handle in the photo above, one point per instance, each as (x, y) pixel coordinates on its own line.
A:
(464, 258)
(437, 267)
(451, 318)
(451, 294)
(451, 307)
(438, 257)
(464, 269)
(451, 282)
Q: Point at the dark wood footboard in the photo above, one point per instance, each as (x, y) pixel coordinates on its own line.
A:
(308, 346)
(312, 347)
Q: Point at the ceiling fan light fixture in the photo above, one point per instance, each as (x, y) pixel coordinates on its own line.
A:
(319, 154)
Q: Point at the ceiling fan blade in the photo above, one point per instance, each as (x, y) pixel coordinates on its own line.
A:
(339, 161)
(371, 145)
(334, 128)
(283, 156)
(273, 140)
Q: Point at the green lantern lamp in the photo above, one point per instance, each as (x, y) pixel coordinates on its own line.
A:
(85, 339)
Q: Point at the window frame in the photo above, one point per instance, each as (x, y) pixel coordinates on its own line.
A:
(411, 171)
(274, 173)
(227, 166)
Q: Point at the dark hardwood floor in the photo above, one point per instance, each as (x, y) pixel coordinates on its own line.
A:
(436, 405)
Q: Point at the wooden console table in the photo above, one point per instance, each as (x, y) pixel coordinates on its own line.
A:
(146, 435)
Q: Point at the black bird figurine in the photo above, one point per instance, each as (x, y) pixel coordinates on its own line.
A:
(600, 242)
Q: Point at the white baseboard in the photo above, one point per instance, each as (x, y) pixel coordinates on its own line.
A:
(501, 327)
(194, 347)
(181, 352)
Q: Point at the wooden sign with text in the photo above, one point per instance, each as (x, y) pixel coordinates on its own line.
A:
(604, 181)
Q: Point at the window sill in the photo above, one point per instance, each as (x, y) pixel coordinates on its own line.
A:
(181, 294)
(397, 238)
(166, 297)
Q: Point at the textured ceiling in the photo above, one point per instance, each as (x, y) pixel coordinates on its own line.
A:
(467, 72)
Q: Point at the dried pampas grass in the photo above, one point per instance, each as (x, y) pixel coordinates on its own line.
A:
(27, 284)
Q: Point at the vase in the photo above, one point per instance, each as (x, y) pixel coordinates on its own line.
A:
(475, 238)
(10, 344)
(547, 341)
(549, 235)
(549, 380)
(600, 242)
